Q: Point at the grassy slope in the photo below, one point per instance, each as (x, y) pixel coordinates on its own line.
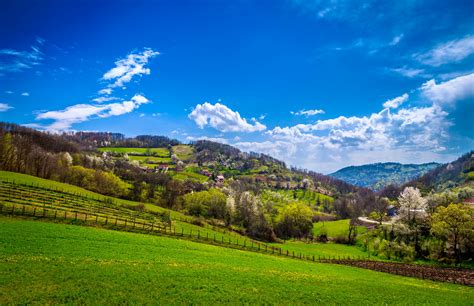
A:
(335, 228)
(184, 152)
(163, 152)
(316, 249)
(53, 263)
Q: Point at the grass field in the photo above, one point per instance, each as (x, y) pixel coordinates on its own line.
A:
(323, 250)
(151, 159)
(335, 228)
(182, 176)
(161, 152)
(46, 263)
(183, 152)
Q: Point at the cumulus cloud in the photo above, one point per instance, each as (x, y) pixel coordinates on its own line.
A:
(307, 113)
(4, 107)
(448, 92)
(125, 69)
(450, 52)
(222, 119)
(25, 94)
(64, 119)
(328, 145)
(396, 102)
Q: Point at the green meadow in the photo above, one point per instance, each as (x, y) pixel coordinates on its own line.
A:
(47, 263)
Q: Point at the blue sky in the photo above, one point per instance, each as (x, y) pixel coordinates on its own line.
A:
(319, 84)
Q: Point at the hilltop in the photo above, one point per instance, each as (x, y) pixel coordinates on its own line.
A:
(458, 173)
(379, 175)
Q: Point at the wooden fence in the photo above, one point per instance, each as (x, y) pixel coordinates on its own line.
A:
(459, 276)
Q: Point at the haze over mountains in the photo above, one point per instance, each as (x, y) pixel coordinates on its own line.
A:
(379, 175)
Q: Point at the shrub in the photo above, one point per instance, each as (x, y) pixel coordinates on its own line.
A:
(294, 220)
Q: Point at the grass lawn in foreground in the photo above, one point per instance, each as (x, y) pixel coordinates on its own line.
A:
(47, 263)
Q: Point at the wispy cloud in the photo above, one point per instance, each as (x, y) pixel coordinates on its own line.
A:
(409, 72)
(64, 119)
(307, 113)
(222, 119)
(396, 40)
(396, 102)
(449, 52)
(25, 94)
(16, 61)
(4, 107)
(129, 67)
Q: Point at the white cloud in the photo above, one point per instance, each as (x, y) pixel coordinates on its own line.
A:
(450, 91)
(222, 119)
(307, 113)
(4, 107)
(64, 119)
(25, 94)
(396, 40)
(396, 102)
(450, 52)
(105, 91)
(104, 99)
(9, 92)
(125, 69)
(328, 145)
(409, 72)
(16, 61)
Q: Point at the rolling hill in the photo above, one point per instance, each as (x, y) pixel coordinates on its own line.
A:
(379, 175)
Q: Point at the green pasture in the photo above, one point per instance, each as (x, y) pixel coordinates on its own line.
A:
(47, 263)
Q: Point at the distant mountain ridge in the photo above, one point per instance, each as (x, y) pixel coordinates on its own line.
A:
(379, 175)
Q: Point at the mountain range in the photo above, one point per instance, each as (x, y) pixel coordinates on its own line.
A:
(379, 175)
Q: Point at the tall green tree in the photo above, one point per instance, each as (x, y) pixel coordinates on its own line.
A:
(455, 225)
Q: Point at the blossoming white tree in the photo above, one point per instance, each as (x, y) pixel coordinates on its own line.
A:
(412, 205)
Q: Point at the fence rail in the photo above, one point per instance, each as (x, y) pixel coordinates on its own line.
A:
(459, 276)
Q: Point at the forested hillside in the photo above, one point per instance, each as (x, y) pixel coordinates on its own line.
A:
(379, 175)
(251, 193)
